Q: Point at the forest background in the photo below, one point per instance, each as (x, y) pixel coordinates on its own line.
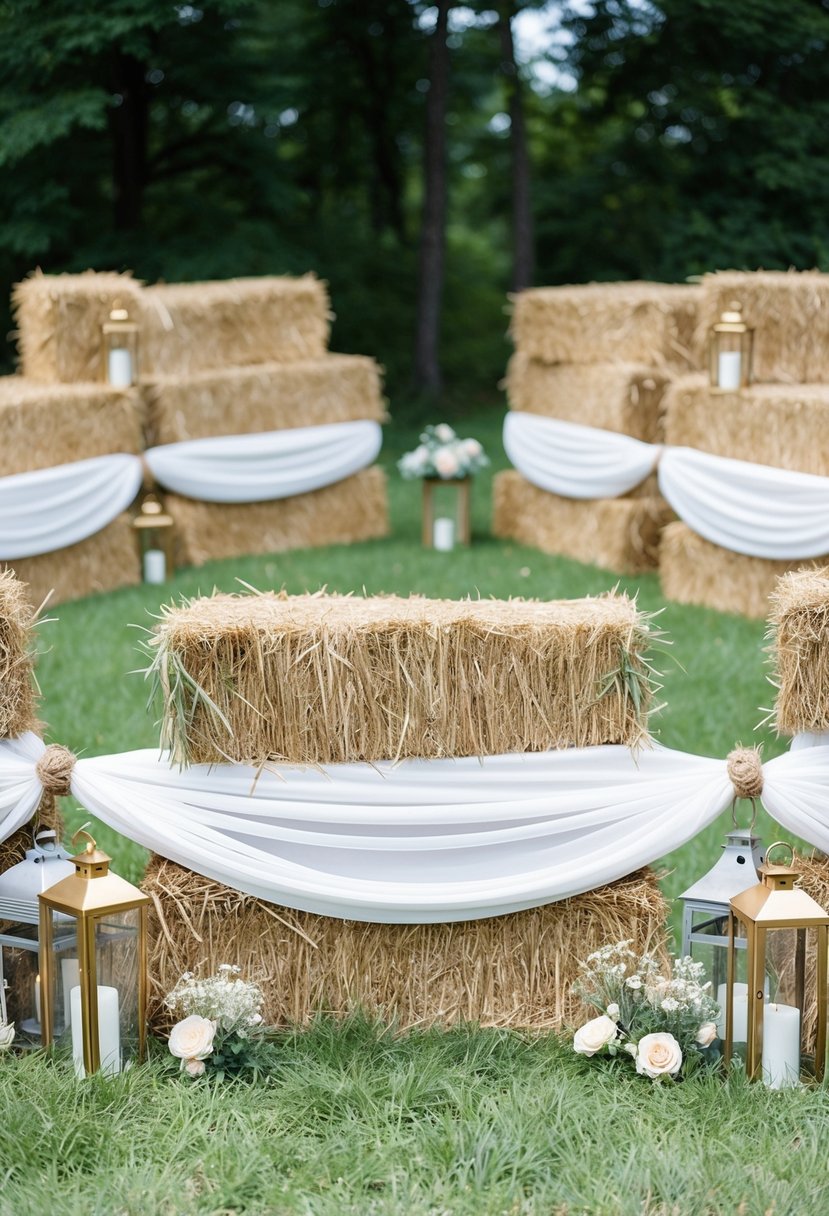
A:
(424, 159)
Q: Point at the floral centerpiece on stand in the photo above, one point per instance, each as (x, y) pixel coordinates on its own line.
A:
(663, 1025)
(221, 1027)
(441, 453)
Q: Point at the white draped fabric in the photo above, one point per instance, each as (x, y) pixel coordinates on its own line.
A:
(422, 840)
(258, 468)
(748, 508)
(50, 509)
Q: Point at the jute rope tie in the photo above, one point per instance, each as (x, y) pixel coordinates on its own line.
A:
(54, 770)
(745, 772)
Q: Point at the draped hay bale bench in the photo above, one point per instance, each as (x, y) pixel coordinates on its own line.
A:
(313, 680)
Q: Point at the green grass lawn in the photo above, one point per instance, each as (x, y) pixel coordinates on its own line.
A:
(356, 1118)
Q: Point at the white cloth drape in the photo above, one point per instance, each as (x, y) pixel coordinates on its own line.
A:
(50, 509)
(258, 468)
(423, 840)
(748, 508)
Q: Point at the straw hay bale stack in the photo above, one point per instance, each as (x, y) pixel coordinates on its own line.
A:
(621, 397)
(649, 323)
(350, 510)
(102, 562)
(60, 319)
(618, 534)
(789, 311)
(513, 970)
(263, 397)
(411, 677)
(188, 327)
(799, 633)
(783, 425)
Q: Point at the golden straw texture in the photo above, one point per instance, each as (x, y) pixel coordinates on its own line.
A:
(813, 878)
(17, 690)
(621, 397)
(799, 636)
(782, 425)
(188, 327)
(514, 970)
(102, 562)
(265, 397)
(60, 319)
(618, 534)
(650, 323)
(318, 678)
(350, 510)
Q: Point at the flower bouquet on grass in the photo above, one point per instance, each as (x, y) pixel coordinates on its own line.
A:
(442, 454)
(221, 1031)
(664, 1025)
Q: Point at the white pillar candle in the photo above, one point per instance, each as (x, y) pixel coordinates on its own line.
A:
(37, 998)
(155, 566)
(109, 1033)
(781, 1046)
(119, 367)
(728, 369)
(71, 976)
(443, 534)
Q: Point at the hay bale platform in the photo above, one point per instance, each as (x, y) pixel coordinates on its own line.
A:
(618, 534)
(799, 634)
(17, 690)
(102, 562)
(514, 970)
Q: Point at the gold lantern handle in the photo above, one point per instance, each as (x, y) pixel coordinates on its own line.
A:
(91, 842)
(781, 844)
(734, 822)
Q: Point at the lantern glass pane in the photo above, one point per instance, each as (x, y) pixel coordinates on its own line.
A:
(117, 969)
(64, 972)
(20, 967)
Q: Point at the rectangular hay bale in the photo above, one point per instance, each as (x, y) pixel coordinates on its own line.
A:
(189, 327)
(621, 397)
(102, 562)
(799, 634)
(618, 534)
(515, 970)
(638, 322)
(264, 397)
(17, 688)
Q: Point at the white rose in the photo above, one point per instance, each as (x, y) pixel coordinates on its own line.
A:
(594, 1035)
(193, 1068)
(658, 1055)
(472, 448)
(444, 432)
(6, 1035)
(707, 1033)
(446, 463)
(192, 1038)
(613, 1011)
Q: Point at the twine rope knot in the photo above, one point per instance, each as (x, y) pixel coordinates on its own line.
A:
(745, 772)
(54, 770)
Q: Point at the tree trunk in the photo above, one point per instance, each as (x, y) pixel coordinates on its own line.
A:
(128, 129)
(523, 252)
(427, 372)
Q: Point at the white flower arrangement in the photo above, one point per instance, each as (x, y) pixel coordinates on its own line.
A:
(660, 1023)
(442, 454)
(221, 1026)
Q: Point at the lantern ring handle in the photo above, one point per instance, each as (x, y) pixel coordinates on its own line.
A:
(91, 842)
(734, 822)
(781, 844)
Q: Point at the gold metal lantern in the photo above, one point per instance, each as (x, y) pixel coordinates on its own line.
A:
(156, 541)
(120, 349)
(93, 964)
(731, 350)
(776, 918)
(445, 531)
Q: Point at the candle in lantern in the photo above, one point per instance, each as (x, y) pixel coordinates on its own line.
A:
(71, 976)
(109, 1033)
(781, 1046)
(37, 998)
(444, 534)
(155, 566)
(728, 369)
(740, 1033)
(119, 367)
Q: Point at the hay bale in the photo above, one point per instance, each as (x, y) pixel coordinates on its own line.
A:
(60, 319)
(799, 633)
(188, 327)
(789, 312)
(43, 425)
(781, 425)
(650, 323)
(813, 878)
(17, 687)
(265, 397)
(694, 571)
(102, 562)
(315, 679)
(350, 510)
(515, 970)
(621, 397)
(618, 534)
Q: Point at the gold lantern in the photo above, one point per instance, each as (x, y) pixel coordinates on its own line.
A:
(120, 349)
(775, 917)
(444, 532)
(731, 350)
(155, 531)
(93, 964)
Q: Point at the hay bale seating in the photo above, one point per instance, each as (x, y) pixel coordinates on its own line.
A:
(618, 534)
(103, 562)
(316, 679)
(799, 635)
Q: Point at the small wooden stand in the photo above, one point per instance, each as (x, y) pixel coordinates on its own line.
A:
(462, 527)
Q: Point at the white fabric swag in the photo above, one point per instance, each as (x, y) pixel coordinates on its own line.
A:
(422, 840)
(748, 508)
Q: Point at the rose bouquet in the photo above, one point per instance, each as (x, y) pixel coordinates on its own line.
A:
(221, 1030)
(442, 454)
(660, 1023)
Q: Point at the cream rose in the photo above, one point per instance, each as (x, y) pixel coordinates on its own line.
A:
(658, 1055)
(446, 463)
(594, 1035)
(6, 1035)
(444, 433)
(192, 1038)
(707, 1033)
(193, 1068)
